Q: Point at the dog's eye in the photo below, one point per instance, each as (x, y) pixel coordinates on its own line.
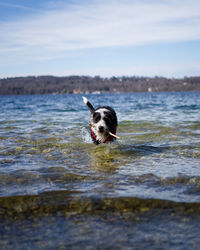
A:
(96, 117)
(107, 120)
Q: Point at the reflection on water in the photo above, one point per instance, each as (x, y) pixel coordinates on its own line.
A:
(63, 191)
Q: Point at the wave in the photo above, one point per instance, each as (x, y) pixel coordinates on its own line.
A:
(72, 203)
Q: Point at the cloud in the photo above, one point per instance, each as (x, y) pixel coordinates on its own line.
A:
(60, 30)
(15, 6)
(102, 24)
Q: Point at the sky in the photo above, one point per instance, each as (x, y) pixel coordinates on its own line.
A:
(100, 37)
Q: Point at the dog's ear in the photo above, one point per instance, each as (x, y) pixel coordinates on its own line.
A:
(91, 108)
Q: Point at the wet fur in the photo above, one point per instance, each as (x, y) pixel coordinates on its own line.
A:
(102, 121)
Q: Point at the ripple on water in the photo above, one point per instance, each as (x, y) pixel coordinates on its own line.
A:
(57, 189)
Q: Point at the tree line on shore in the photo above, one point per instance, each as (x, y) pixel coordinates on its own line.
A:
(97, 84)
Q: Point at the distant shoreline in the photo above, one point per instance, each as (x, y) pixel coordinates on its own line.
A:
(95, 85)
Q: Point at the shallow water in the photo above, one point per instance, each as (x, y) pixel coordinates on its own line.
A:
(58, 190)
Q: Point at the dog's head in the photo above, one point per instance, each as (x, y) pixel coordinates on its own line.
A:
(102, 121)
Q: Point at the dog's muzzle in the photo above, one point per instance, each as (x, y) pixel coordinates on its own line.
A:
(101, 129)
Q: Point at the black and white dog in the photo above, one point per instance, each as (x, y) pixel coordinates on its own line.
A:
(103, 123)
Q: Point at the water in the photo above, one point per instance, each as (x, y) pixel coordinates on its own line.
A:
(58, 190)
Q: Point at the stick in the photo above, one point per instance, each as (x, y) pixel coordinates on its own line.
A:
(91, 125)
(113, 135)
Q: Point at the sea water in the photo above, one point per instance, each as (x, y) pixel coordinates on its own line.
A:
(59, 190)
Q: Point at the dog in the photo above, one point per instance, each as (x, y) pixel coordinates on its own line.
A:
(103, 123)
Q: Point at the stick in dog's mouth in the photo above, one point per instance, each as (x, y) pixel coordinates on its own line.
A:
(113, 135)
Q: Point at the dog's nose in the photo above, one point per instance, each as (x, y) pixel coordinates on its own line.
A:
(101, 129)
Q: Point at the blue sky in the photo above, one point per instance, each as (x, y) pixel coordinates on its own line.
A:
(100, 37)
